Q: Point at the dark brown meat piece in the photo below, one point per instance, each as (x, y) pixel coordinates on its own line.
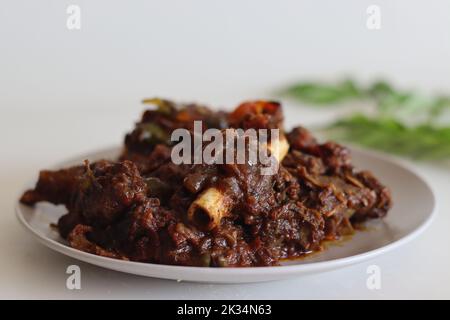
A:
(148, 162)
(139, 233)
(257, 115)
(157, 125)
(382, 202)
(335, 156)
(106, 190)
(332, 186)
(56, 187)
(300, 139)
(78, 239)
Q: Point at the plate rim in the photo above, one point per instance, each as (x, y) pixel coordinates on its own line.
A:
(275, 271)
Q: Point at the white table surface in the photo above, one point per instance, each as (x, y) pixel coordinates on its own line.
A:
(420, 269)
(64, 93)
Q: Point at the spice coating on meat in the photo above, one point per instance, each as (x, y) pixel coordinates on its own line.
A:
(146, 208)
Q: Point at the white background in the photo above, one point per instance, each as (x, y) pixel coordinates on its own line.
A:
(64, 92)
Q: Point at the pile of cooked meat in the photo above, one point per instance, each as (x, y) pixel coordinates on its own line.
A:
(143, 207)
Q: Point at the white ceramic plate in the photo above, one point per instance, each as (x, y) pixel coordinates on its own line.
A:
(414, 205)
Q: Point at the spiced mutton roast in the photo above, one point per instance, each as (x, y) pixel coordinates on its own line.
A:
(144, 207)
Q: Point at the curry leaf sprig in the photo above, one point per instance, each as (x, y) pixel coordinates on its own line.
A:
(422, 141)
(388, 129)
